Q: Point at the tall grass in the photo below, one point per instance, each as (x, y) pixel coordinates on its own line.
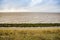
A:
(36, 34)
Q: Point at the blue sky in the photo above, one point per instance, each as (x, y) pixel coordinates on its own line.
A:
(30, 5)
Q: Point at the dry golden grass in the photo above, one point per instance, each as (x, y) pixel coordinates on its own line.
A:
(52, 33)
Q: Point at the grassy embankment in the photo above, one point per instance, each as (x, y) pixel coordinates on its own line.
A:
(30, 25)
(30, 34)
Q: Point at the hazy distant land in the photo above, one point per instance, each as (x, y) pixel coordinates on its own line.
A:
(29, 17)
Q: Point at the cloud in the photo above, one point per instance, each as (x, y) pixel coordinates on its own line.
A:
(34, 2)
(30, 5)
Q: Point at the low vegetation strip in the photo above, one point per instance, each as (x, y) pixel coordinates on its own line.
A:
(30, 25)
(36, 34)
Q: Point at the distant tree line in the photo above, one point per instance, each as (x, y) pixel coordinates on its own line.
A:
(31, 25)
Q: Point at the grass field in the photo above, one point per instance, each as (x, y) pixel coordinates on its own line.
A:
(30, 33)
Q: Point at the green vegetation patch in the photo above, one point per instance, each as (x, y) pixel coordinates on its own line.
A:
(30, 25)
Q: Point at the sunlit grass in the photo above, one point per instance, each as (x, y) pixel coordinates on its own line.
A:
(30, 34)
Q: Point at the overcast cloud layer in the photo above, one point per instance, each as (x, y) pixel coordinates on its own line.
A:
(30, 5)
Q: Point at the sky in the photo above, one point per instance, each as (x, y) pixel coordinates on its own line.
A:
(29, 5)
